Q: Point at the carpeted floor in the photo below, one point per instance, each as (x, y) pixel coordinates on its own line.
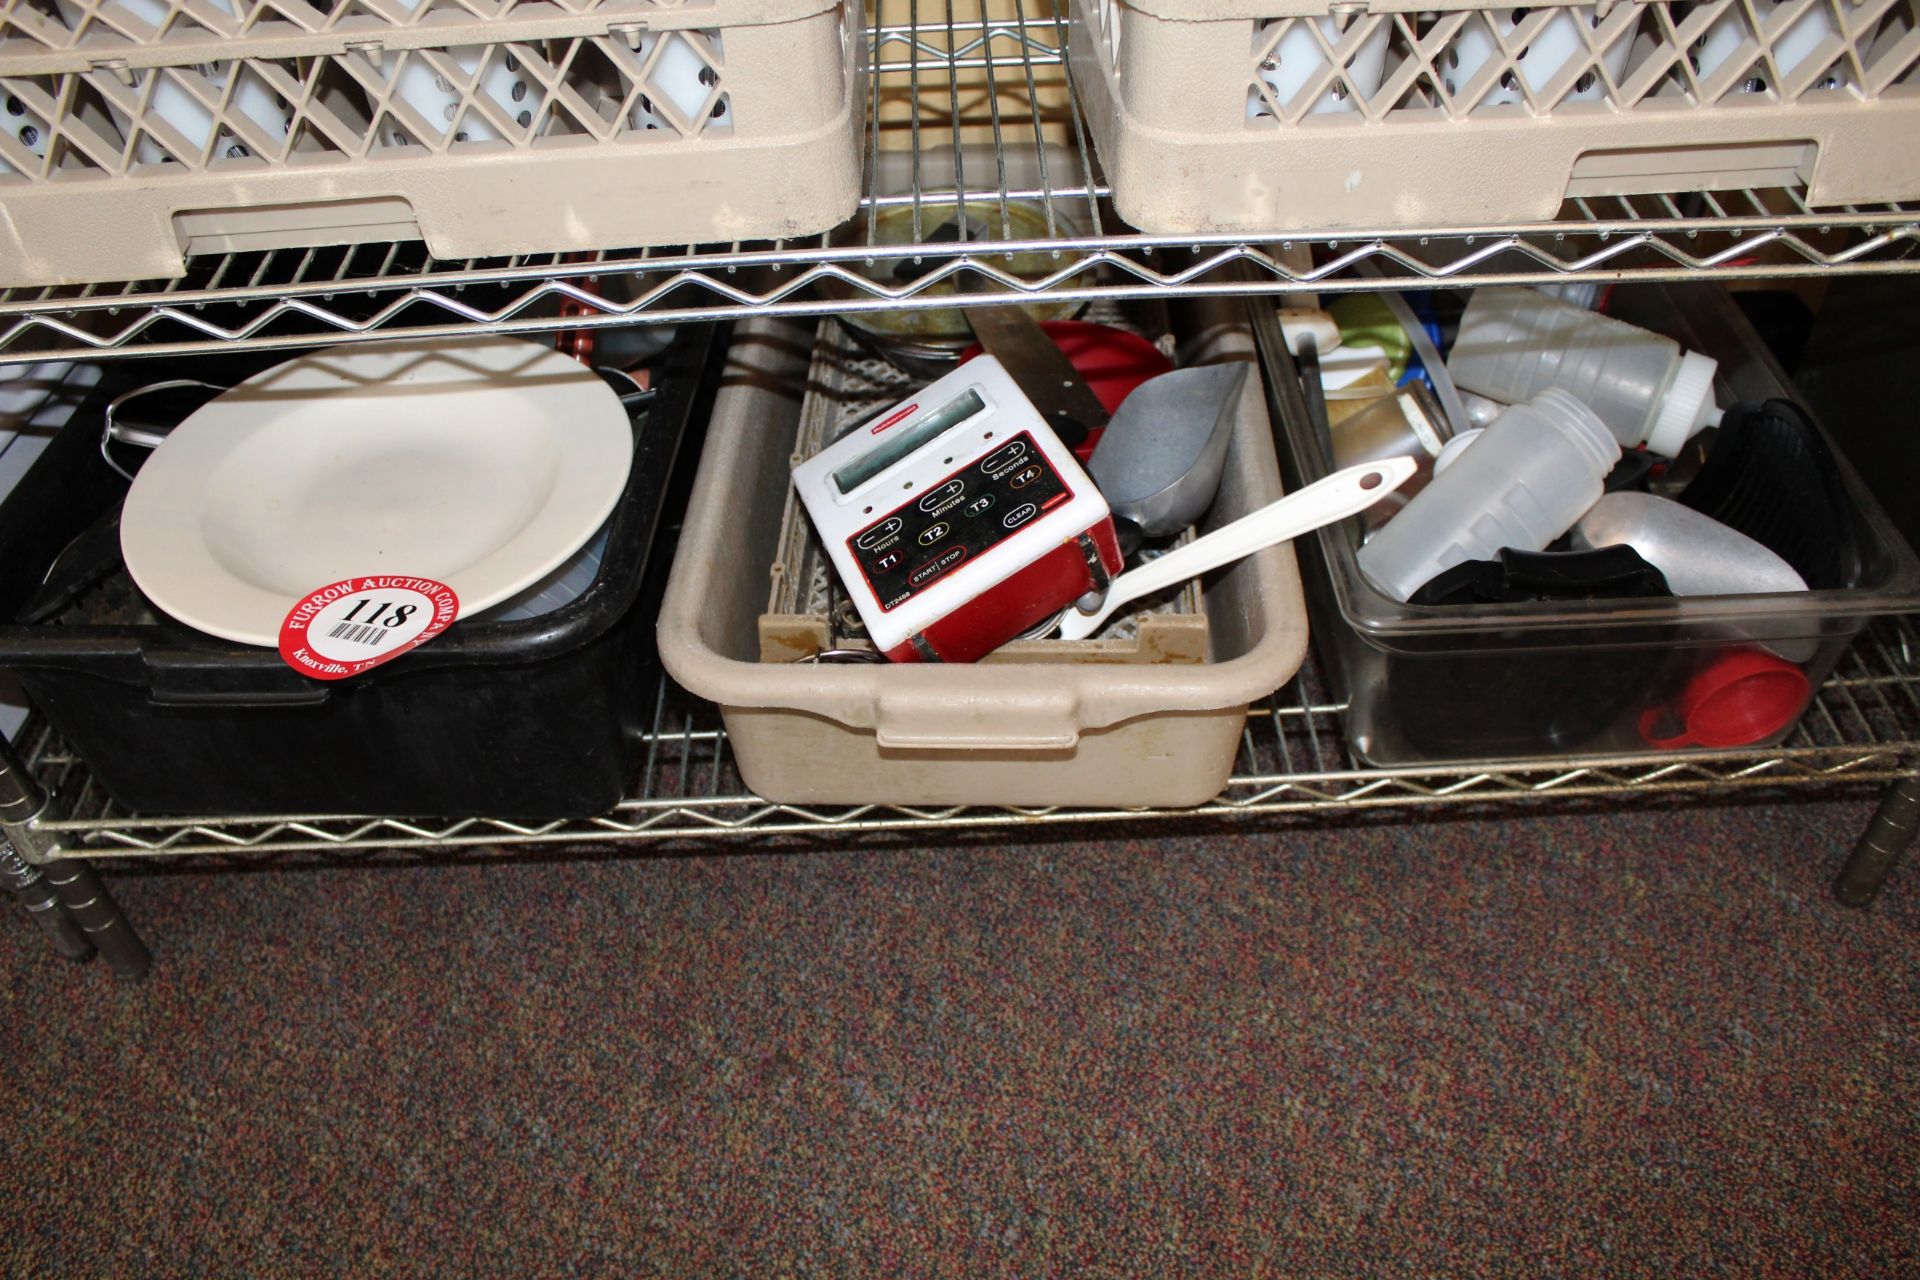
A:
(1580, 1045)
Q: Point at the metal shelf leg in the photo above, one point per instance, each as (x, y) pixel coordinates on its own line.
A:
(100, 917)
(92, 908)
(42, 904)
(1886, 838)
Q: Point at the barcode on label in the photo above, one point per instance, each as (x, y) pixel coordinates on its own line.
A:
(360, 634)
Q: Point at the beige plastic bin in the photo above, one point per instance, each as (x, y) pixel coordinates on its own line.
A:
(994, 733)
(136, 132)
(1262, 116)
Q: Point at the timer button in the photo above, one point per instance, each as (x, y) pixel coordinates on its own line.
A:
(878, 534)
(1020, 515)
(1001, 459)
(1027, 475)
(935, 567)
(945, 493)
(887, 561)
(980, 505)
(934, 532)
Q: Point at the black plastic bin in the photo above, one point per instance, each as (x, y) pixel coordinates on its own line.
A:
(533, 719)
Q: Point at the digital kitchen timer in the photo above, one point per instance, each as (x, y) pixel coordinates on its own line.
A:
(958, 520)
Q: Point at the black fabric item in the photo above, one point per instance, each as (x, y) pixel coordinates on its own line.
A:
(1519, 577)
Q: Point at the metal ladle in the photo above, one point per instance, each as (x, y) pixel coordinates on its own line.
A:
(1159, 464)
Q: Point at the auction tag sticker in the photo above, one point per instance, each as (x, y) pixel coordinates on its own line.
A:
(356, 624)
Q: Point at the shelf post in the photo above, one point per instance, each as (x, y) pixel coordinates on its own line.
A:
(42, 904)
(1887, 836)
(23, 806)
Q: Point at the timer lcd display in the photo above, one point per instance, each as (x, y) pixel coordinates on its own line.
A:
(905, 440)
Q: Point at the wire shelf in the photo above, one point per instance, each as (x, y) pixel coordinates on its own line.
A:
(978, 110)
(1863, 727)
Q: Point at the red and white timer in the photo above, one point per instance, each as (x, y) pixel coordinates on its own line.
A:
(958, 520)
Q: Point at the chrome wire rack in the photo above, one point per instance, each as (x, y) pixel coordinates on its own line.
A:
(973, 109)
(1864, 727)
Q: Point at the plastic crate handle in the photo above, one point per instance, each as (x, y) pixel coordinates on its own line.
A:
(973, 721)
(162, 696)
(212, 678)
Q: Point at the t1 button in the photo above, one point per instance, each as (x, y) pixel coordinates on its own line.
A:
(1020, 515)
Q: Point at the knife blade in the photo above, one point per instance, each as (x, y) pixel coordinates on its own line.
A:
(1014, 338)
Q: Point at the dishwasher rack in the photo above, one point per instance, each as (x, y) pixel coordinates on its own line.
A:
(930, 59)
(927, 117)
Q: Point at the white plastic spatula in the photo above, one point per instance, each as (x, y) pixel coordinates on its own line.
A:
(1342, 494)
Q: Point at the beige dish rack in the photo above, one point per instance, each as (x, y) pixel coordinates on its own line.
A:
(1126, 718)
(135, 133)
(1279, 115)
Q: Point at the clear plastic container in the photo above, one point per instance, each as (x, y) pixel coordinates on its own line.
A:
(1445, 684)
(1515, 343)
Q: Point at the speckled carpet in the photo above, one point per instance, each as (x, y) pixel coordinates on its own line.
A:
(1577, 1045)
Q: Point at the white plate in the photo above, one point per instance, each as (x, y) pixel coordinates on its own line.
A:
(481, 462)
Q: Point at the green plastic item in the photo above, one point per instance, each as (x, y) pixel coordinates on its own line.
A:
(1363, 317)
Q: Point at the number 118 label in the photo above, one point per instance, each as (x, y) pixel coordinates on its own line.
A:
(356, 624)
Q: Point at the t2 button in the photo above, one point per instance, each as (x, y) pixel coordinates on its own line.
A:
(934, 532)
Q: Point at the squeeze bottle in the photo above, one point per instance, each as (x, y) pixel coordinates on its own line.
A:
(1521, 484)
(1514, 343)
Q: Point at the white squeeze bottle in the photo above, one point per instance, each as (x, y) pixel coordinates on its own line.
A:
(1521, 484)
(1514, 343)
